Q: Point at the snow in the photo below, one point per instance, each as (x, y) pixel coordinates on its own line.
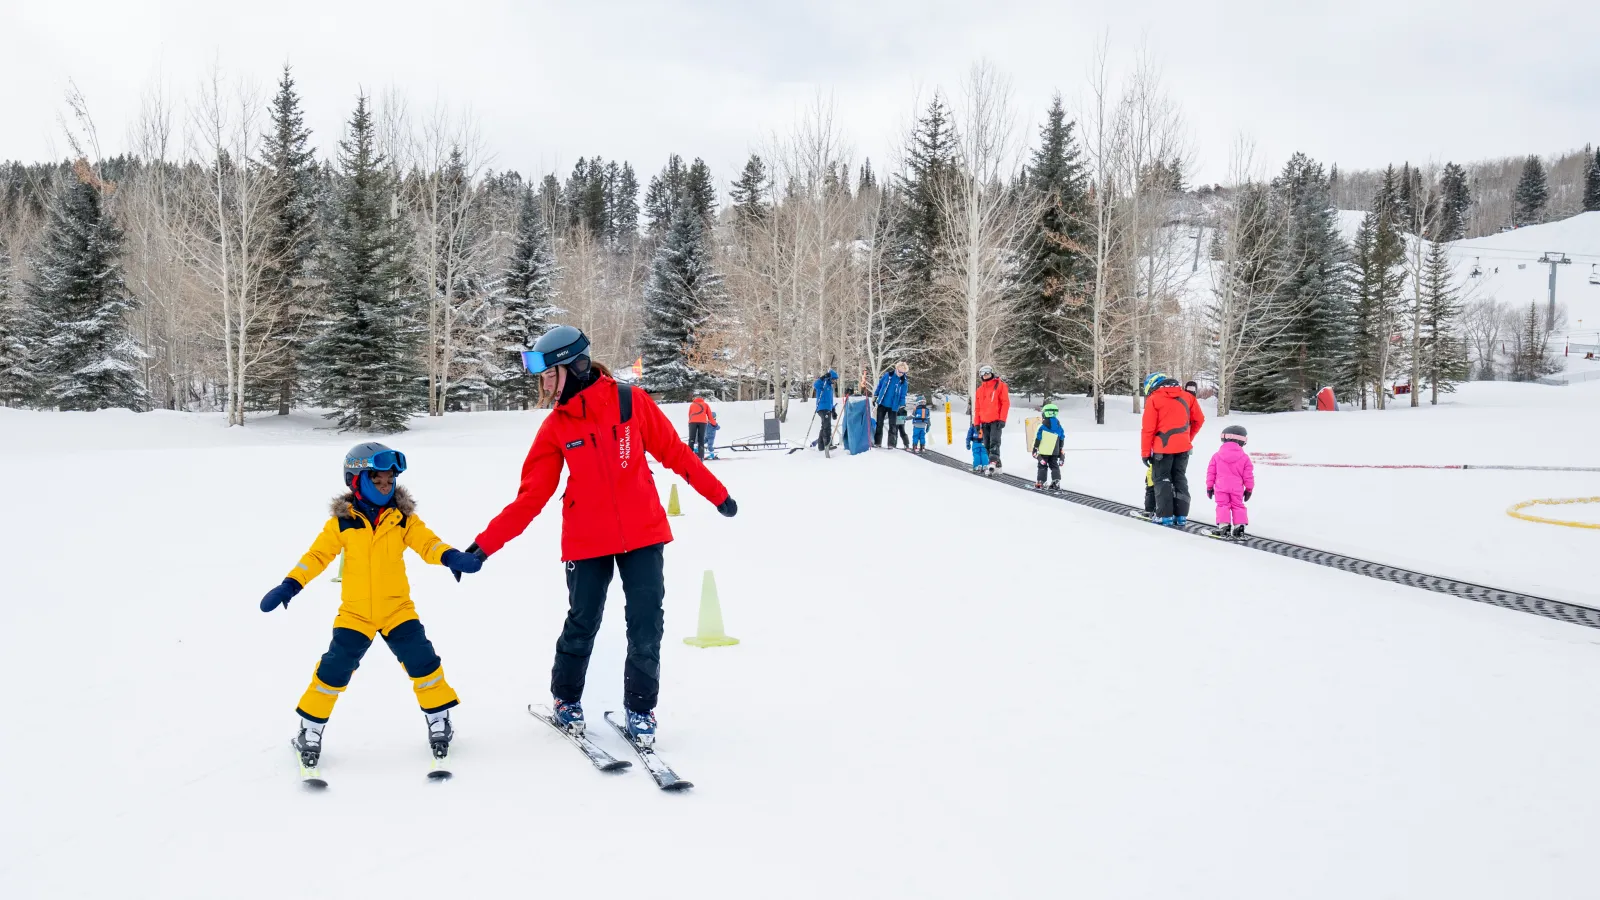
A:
(944, 687)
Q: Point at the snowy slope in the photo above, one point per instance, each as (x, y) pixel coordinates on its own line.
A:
(945, 689)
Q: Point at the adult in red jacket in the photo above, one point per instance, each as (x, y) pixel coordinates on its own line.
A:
(611, 516)
(991, 404)
(1172, 418)
(700, 419)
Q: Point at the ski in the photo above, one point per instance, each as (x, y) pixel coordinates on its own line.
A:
(666, 779)
(602, 760)
(1141, 514)
(310, 777)
(438, 772)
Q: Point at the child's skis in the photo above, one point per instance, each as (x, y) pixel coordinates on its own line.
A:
(666, 779)
(310, 776)
(602, 760)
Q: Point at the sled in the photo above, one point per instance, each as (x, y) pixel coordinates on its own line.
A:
(771, 437)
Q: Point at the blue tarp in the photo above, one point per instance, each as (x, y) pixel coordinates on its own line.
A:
(857, 424)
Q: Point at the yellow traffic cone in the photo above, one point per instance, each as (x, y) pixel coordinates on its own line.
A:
(672, 503)
(710, 618)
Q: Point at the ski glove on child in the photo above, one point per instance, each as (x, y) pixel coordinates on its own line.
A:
(280, 595)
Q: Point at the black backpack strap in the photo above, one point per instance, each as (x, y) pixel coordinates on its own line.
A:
(625, 401)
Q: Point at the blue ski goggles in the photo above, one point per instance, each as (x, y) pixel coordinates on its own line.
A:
(382, 461)
(539, 363)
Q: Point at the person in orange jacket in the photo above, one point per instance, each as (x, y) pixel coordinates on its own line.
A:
(991, 404)
(1172, 419)
(700, 416)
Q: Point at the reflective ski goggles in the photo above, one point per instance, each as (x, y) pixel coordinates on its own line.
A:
(539, 363)
(382, 461)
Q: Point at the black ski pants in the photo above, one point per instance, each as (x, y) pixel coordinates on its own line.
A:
(697, 443)
(1172, 483)
(644, 587)
(1051, 465)
(991, 440)
(825, 435)
(886, 418)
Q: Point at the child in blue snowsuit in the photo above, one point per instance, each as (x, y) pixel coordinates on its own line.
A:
(980, 455)
(919, 427)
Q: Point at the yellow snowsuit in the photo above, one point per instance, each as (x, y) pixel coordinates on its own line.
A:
(375, 599)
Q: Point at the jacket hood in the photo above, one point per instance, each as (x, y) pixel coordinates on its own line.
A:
(343, 506)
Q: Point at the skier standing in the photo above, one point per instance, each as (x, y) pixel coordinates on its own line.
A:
(980, 456)
(920, 419)
(700, 416)
(991, 404)
(823, 389)
(1172, 419)
(890, 397)
(372, 525)
(1048, 447)
(1230, 480)
(611, 516)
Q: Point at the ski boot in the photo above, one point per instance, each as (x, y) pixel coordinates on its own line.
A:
(642, 727)
(568, 715)
(1038, 485)
(1163, 520)
(1180, 521)
(1238, 532)
(309, 742)
(1224, 532)
(1055, 485)
(440, 733)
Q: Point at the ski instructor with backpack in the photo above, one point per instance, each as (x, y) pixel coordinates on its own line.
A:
(611, 516)
(1172, 419)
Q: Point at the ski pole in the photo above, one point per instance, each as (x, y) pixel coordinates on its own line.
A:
(807, 439)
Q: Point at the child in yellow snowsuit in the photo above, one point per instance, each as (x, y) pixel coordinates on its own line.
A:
(372, 526)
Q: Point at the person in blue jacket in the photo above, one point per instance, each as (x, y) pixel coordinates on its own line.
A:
(920, 419)
(1049, 450)
(890, 398)
(980, 453)
(823, 389)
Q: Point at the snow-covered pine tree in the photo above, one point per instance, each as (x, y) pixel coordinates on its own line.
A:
(1455, 202)
(1531, 196)
(700, 192)
(623, 208)
(915, 257)
(749, 193)
(365, 355)
(1444, 352)
(290, 163)
(1591, 184)
(1053, 264)
(866, 181)
(85, 357)
(1377, 279)
(1528, 362)
(526, 301)
(17, 384)
(666, 190)
(684, 289)
(1316, 347)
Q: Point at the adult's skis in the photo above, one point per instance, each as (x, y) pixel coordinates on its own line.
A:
(602, 760)
(666, 779)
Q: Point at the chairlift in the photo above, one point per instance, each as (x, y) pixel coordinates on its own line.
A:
(1594, 273)
(1477, 270)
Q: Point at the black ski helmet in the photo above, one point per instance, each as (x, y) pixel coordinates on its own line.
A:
(560, 346)
(372, 457)
(1235, 433)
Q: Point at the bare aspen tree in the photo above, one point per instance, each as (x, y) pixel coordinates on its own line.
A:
(152, 264)
(983, 220)
(1104, 152)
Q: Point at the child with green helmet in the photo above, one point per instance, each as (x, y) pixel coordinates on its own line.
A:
(1048, 447)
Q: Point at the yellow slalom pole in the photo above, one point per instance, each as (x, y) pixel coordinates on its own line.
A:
(949, 431)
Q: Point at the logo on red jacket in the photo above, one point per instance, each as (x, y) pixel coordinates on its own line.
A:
(625, 446)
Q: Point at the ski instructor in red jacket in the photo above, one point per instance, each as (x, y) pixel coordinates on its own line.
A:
(611, 516)
(1172, 419)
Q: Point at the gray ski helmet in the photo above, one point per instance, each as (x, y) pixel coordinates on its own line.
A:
(1235, 433)
(559, 346)
(372, 457)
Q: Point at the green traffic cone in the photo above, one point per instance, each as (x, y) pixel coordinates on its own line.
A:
(672, 503)
(710, 630)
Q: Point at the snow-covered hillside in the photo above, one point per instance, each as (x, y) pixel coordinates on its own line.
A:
(945, 688)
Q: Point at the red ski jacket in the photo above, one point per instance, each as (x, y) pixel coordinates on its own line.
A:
(993, 401)
(1172, 419)
(610, 505)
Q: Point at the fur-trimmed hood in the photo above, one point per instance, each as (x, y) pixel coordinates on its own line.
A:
(343, 506)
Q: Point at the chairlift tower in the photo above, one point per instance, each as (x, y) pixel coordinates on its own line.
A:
(1553, 259)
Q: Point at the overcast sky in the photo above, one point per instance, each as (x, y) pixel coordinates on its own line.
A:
(1358, 82)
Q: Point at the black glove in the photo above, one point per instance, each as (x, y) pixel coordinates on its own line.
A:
(1147, 460)
(468, 561)
(1247, 495)
(728, 507)
(1211, 493)
(280, 595)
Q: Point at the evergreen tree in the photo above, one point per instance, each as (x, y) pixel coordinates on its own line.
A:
(1532, 193)
(552, 204)
(1252, 273)
(915, 254)
(682, 293)
(86, 359)
(17, 384)
(623, 207)
(867, 180)
(700, 192)
(666, 190)
(1529, 363)
(365, 355)
(1444, 352)
(1591, 184)
(1405, 197)
(749, 194)
(1316, 348)
(527, 302)
(1455, 202)
(290, 164)
(1054, 266)
(1377, 281)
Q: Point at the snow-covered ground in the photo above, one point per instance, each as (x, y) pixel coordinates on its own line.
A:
(945, 688)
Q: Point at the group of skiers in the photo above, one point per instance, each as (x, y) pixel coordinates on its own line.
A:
(1172, 420)
(612, 522)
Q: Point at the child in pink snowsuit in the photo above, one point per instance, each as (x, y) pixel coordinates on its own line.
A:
(1230, 479)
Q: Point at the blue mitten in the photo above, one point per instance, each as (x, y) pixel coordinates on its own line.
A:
(728, 508)
(467, 562)
(280, 595)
